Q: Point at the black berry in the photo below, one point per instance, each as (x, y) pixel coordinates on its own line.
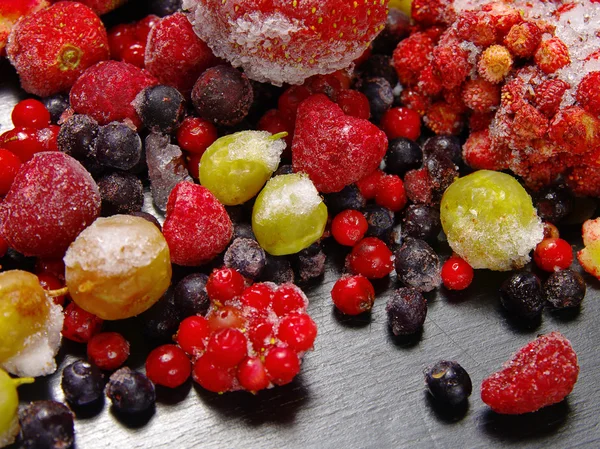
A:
(46, 425)
(284, 170)
(118, 146)
(190, 297)
(246, 256)
(77, 136)
(347, 198)
(446, 145)
(380, 95)
(397, 26)
(163, 8)
(161, 108)
(521, 295)
(121, 193)
(130, 391)
(146, 216)
(160, 323)
(406, 311)
(553, 203)
(564, 289)
(417, 265)
(380, 221)
(243, 231)
(379, 66)
(82, 384)
(442, 173)
(448, 382)
(56, 105)
(310, 262)
(278, 269)
(402, 155)
(422, 222)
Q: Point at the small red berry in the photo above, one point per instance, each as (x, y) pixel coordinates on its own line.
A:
(371, 258)
(401, 122)
(552, 55)
(226, 317)
(23, 142)
(211, 376)
(196, 135)
(120, 38)
(349, 227)
(55, 267)
(456, 274)
(192, 334)
(353, 295)
(368, 184)
(48, 137)
(282, 365)
(134, 54)
(9, 166)
(353, 103)
(3, 247)
(192, 162)
(298, 331)
(168, 365)
(252, 374)
(108, 350)
(274, 122)
(80, 325)
(290, 99)
(550, 231)
(324, 84)
(51, 282)
(288, 298)
(30, 113)
(260, 333)
(144, 26)
(553, 255)
(258, 296)
(390, 193)
(587, 93)
(225, 284)
(227, 347)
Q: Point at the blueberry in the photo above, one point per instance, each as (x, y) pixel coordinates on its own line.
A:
(379, 66)
(130, 391)
(163, 8)
(422, 222)
(118, 146)
(402, 155)
(77, 136)
(521, 295)
(406, 311)
(121, 193)
(448, 382)
(146, 216)
(446, 145)
(246, 256)
(397, 27)
(553, 203)
(161, 321)
(161, 108)
(310, 262)
(564, 289)
(56, 105)
(278, 269)
(347, 198)
(190, 297)
(243, 231)
(417, 265)
(46, 425)
(82, 384)
(380, 95)
(380, 221)
(442, 173)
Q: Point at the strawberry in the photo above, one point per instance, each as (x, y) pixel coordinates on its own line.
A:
(285, 41)
(552, 55)
(523, 39)
(52, 47)
(481, 95)
(495, 63)
(334, 149)
(575, 130)
(541, 373)
(11, 11)
(588, 94)
(411, 56)
(479, 153)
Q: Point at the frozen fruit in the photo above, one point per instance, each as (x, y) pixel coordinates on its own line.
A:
(52, 199)
(117, 146)
(332, 148)
(9, 404)
(102, 6)
(495, 63)
(106, 92)
(9, 166)
(353, 295)
(82, 384)
(402, 155)
(286, 42)
(349, 227)
(541, 373)
(406, 311)
(118, 267)
(168, 365)
(371, 258)
(161, 108)
(422, 222)
(46, 424)
(553, 254)
(456, 274)
(190, 297)
(197, 226)
(521, 295)
(108, 350)
(380, 221)
(51, 48)
(417, 265)
(565, 288)
(448, 382)
(12, 11)
(551, 55)
(175, 55)
(130, 391)
(121, 192)
(490, 221)
(380, 95)
(80, 325)
(195, 135)
(390, 193)
(30, 113)
(411, 56)
(523, 39)
(245, 256)
(587, 92)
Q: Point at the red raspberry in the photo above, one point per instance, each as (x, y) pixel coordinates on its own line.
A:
(451, 60)
(443, 118)
(368, 184)
(108, 350)
(353, 103)
(51, 48)
(481, 95)
(401, 122)
(588, 94)
(456, 274)
(168, 365)
(197, 226)
(411, 56)
(552, 55)
(495, 63)
(480, 154)
(349, 227)
(353, 295)
(477, 27)
(529, 123)
(523, 39)
(106, 91)
(175, 55)
(553, 254)
(432, 12)
(80, 325)
(548, 96)
(298, 331)
(371, 258)
(9, 166)
(390, 193)
(103, 6)
(575, 130)
(541, 373)
(415, 101)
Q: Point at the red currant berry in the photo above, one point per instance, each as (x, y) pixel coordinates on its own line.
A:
(55, 267)
(252, 375)
(274, 122)
(9, 166)
(196, 135)
(168, 366)
(120, 38)
(368, 184)
(225, 317)
(298, 331)
(192, 162)
(401, 122)
(457, 274)
(225, 284)
(192, 334)
(211, 376)
(354, 103)
(30, 113)
(80, 325)
(290, 100)
(349, 227)
(371, 258)
(282, 365)
(550, 231)
(48, 137)
(258, 296)
(390, 193)
(51, 282)
(108, 350)
(134, 54)
(227, 347)
(288, 298)
(260, 333)
(553, 255)
(144, 26)
(3, 247)
(353, 295)
(23, 142)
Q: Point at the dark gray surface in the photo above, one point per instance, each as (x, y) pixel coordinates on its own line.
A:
(362, 388)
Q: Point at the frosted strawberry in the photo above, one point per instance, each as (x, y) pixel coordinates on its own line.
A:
(588, 94)
(552, 55)
(52, 47)
(285, 41)
(334, 149)
(11, 11)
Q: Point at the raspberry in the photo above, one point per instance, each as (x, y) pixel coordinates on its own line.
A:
(552, 55)
(432, 12)
(477, 27)
(495, 63)
(549, 94)
(443, 118)
(411, 56)
(175, 55)
(588, 94)
(541, 373)
(481, 95)
(51, 48)
(523, 39)
(575, 130)
(451, 60)
(480, 154)
(106, 92)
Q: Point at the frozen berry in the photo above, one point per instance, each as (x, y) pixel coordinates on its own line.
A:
(553, 204)
(9, 166)
(417, 265)
(80, 325)
(30, 113)
(401, 122)
(225, 284)
(168, 365)
(161, 108)
(444, 144)
(245, 256)
(406, 311)
(192, 334)
(347, 198)
(298, 331)
(551, 55)
(77, 136)
(422, 222)
(196, 135)
(553, 254)
(252, 375)
(130, 391)
(380, 221)
(367, 185)
(353, 103)
(380, 95)
(46, 424)
(371, 258)
(258, 296)
(227, 347)
(310, 262)
(390, 193)
(164, 8)
(108, 350)
(565, 288)
(282, 365)
(402, 155)
(190, 297)
(353, 295)
(456, 274)
(448, 382)
(289, 298)
(51, 282)
(278, 270)
(122, 193)
(521, 295)
(82, 384)
(23, 142)
(349, 227)
(211, 376)
(56, 105)
(118, 146)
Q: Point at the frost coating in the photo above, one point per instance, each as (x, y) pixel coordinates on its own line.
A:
(299, 196)
(256, 146)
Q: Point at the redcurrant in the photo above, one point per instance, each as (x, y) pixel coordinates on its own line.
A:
(225, 284)
(192, 162)
(282, 365)
(211, 376)
(401, 122)
(260, 333)
(349, 227)
(30, 113)
(120, 38)
(298, 331)
(23, 142)
(368, 184)
(134, 54)
(290, 100)
(354, 103)
(553, 254)
(371, 258)
(288, 298)
(168, 366)
(274, 122)
(550, 231)
(227, 347)
(225, 317)
(353, 295)
(108, 350)
(192, 334)
(196, 135)
(258, 296)
(51, 282)
(390, 193)
(9, 166)
(80, 325)
(457, 274)
(252, 375)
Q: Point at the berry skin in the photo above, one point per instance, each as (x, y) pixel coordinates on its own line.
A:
(80, 325)
(30, 113)
(195, 135)
(252, 375)
(274, 122)
(421, 222)
(417, 265)
(552, 55)
(390, 193)
(549, 94)
(523, 39)
(288, 298)
(282, 365)
(224, 285)
(443, 118)
(371, 258)
(456, 274)
(227, 347)
(564, 289)
(495, 63)
(258, 296)
(130, 391)
(448, 382)
(224, 318)
(406, 311)
(353, 103)
(553, 255)
(553, 204)
(353, 295)
(9, 166)
(368, 184)
(246, 256)
(161, 108)
(108, 350)
(521, 295)
(192, 334)
(402, 155)
(380, 221)
(541, 373)
(3, 247)
(298, 331)
(587, 93)
(118, 146)
(349, 227)
(46, 424)
(82, 384)
(380, 94)
(290, 100)
(411, 56)
(51, 48)
(190, 296)
(477, 27)
(481, 95)
(121, 192)
(23, 142)
(168, 365)
(401, 122)
(211, 376)
(350, 197)
(120, 38)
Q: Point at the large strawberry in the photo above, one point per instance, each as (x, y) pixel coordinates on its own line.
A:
(11, 11)
(286, 41)
(334, 149)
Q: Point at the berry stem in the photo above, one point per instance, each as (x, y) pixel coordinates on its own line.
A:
(278, 136)
(23, 380)
(57, 292)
